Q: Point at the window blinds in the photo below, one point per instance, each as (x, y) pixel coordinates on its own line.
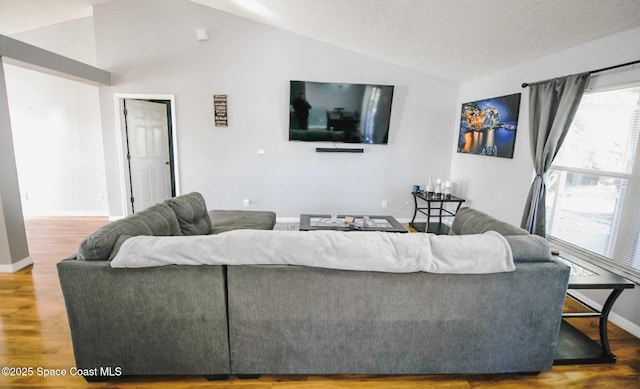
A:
(593, 186)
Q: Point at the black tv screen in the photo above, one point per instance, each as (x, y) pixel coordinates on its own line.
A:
(339, 112)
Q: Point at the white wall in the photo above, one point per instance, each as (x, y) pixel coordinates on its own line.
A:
(56, 128)
(253, 63)
(500, 186)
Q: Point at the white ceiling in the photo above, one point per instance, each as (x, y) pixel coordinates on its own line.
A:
(452, 39)
(23, 15)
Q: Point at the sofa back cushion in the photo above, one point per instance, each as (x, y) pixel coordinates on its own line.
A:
(472, 221)
(158, 220)
(524, 246)
(191, 211)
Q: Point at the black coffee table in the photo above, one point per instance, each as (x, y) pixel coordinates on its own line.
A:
(325, 222)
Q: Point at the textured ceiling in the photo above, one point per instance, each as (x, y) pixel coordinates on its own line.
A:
(452, 39)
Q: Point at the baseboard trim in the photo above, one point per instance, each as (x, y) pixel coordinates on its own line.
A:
(33, 215)
(14, 267)
(616, 319)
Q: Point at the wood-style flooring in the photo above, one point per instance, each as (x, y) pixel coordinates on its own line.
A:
(34, 333)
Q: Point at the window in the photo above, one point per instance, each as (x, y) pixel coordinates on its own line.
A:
(593, 186)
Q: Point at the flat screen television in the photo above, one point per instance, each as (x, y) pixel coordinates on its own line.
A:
(339, 112)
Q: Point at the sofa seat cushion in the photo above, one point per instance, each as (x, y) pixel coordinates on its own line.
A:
(191, 211)
(228, 220)
(157, 220)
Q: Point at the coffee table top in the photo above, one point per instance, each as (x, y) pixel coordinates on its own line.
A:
(324, 222)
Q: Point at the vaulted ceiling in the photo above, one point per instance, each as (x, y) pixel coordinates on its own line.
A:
(453, 39)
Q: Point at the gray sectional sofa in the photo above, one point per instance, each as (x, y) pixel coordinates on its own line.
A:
(297, 320)
(156, 321)
(271, 319)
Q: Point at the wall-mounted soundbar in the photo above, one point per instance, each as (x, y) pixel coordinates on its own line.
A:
(337, 150)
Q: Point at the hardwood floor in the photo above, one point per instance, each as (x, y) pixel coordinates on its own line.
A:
(34, 333)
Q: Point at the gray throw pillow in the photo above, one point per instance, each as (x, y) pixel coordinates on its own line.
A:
(191, 211)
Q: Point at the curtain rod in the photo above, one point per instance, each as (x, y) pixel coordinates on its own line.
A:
(524, 84)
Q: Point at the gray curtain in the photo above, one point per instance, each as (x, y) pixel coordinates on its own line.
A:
(552, 106)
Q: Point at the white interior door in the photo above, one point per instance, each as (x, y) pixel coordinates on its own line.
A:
(148, 152)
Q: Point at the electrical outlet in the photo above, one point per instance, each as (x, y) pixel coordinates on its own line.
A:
(246, 202)
(100, 197)
(385, 204)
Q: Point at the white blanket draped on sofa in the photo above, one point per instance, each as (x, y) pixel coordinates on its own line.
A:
(362, 251)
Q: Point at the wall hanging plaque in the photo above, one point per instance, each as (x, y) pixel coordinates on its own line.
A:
(220, 110)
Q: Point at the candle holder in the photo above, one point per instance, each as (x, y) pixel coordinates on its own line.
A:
(438, 189)
(447, 189)
(429, 188)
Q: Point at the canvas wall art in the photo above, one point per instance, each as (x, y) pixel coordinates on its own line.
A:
(488, 127)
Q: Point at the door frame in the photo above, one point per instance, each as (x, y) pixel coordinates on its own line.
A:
(125, 183)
